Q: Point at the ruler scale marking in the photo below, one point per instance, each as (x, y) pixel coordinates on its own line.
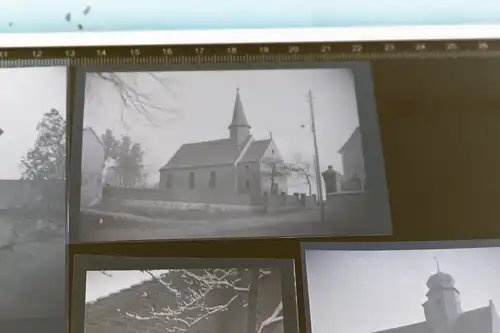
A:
(101, 56)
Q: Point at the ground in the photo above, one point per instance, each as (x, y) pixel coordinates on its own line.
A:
(127, 226)
(33, 274)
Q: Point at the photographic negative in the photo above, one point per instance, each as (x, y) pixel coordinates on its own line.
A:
(144, 295)
(437, 287)
(32, 197)
(229, 153)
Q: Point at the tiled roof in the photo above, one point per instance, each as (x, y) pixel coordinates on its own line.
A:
(208, 153)
(213, 153)
(477, 321)
(413, 328)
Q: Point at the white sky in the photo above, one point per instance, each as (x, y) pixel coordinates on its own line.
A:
(99, 285)
(274, 101)
(368, 291)
(27, 93)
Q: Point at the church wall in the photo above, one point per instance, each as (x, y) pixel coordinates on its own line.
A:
(225, 182)
(249, 172)
(352, 158)
(282, 182)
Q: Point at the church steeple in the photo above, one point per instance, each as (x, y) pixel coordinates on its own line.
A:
(442, 307)
(239, 129)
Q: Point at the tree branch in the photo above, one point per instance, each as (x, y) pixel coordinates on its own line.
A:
(190, 303)
(131, 97)
(275, 317)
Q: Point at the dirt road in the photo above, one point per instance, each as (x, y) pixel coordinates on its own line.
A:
(297, 223)
(32, 271)
(32, 279)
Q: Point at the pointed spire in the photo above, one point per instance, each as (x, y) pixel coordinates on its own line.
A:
(437, 264)
(239, 118)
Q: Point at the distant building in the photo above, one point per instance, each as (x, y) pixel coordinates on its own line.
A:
(443, 312)
(108, 314)
(93, 157)
(353, 162)
(238, 164)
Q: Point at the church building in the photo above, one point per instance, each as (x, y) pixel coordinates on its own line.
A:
(444, 314)
(237, 164)
(353, 162)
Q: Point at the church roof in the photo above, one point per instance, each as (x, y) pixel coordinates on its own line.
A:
(213, 153)
(255, 151)
(478, 321)
(208, 153)
(239, 117)
(440, 280)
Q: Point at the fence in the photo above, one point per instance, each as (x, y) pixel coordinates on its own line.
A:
(153, 194)
(28, 194)
(205, 198)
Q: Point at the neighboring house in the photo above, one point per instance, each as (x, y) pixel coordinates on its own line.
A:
(108, 315)
(93, 157)
(238, 164)
(444, 314)
(353, 162)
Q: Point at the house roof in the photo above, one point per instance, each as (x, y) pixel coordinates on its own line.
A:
(477, 321)
(355, 133)
(239, 118)
(216, 152)
(92, 132)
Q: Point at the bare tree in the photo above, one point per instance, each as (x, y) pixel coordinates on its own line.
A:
(126, 85)
(302, 169)
(190, 302)
(130, 89)
(273, 170)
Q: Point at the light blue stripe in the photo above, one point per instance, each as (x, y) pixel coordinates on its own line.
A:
(113, 15)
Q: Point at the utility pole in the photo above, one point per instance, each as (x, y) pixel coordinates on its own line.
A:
(316, 157)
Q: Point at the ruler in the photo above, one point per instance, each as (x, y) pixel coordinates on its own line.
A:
(244, 53)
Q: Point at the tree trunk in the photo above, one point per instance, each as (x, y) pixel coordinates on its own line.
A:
(252, 301)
